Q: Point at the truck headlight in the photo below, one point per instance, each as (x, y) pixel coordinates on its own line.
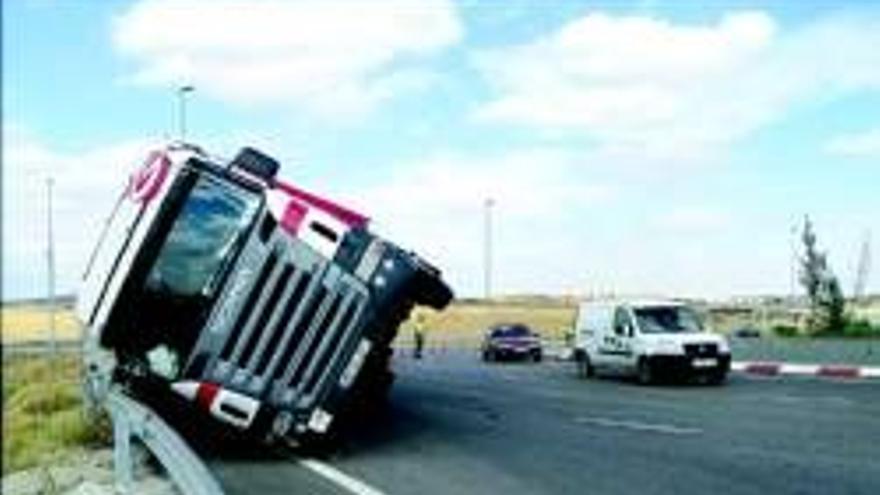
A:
(723, 346)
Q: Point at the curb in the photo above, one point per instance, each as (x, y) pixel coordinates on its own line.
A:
(769, 368)
(761, 368)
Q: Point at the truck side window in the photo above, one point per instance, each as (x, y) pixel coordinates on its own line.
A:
(622, 323)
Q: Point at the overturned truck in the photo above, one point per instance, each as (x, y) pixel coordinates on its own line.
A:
(264, 306)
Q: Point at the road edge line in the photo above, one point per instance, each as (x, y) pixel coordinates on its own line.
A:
(334, 475)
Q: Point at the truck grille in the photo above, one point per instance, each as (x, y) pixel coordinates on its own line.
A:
(299, 316)
(701, 350)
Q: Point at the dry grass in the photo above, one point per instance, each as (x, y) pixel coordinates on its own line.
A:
(464, 322)
(43, 416)
(27, 323)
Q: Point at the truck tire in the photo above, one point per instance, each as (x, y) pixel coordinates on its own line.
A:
(429, 288)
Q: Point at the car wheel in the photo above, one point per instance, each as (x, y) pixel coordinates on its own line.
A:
(645, 374)
(537, 357)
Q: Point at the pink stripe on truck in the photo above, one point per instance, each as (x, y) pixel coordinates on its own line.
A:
(345, 215)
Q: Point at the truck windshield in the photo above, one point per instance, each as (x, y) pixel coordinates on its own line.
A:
(171, 292)
(667, 319)
(202, 237)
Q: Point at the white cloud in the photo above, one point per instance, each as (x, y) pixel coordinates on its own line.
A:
(86, 183)
(866, 143)
(436, 207)
(645, 83)
(337, 58)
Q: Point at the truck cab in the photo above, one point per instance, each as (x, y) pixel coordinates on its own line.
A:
(649, 340)
(264, 305)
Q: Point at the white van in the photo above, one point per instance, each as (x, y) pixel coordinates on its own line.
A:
(647, 339)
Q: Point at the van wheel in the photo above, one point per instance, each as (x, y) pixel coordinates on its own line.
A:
(645, 374)
(585, 367)
(717, 378)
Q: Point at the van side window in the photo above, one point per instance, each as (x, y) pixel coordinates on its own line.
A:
(622, 322)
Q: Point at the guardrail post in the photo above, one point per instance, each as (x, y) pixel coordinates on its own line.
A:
(122, 461)
(132, 419)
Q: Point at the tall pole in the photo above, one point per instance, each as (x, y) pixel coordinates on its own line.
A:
(50, 265)
(863, 268)
(487, 247)
(792, 241)
(181, 104)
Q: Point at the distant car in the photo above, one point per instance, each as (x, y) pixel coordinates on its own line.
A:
(511, 341)
(746, 333)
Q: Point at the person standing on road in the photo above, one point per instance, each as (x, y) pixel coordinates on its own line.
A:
(419, 335)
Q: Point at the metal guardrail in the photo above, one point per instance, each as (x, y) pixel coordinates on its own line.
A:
(133, 419)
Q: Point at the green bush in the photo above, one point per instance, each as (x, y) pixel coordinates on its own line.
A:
(785, 330)
(861, 328)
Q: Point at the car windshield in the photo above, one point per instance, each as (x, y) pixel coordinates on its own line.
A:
(667, 319)
(512, 331)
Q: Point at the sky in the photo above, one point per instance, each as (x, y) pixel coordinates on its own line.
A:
(628, 147)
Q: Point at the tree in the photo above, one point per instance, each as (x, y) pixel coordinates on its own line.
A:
(827, 304)
(833, 306)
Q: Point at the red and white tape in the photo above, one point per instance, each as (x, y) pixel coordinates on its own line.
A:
(226, 405)
(770, 368)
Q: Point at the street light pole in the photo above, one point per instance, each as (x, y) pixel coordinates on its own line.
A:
(487, 247)
(181, 95)
(50, 266)
(793, 268)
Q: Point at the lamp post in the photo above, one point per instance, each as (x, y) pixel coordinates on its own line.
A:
(181, 104)
(488, 204)
(50, 265)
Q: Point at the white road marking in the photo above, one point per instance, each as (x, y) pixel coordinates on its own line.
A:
(330, 473)
(639, 426)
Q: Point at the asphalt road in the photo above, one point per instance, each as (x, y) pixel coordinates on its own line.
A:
(456, 425)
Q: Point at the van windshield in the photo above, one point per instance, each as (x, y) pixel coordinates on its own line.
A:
(668, 319)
